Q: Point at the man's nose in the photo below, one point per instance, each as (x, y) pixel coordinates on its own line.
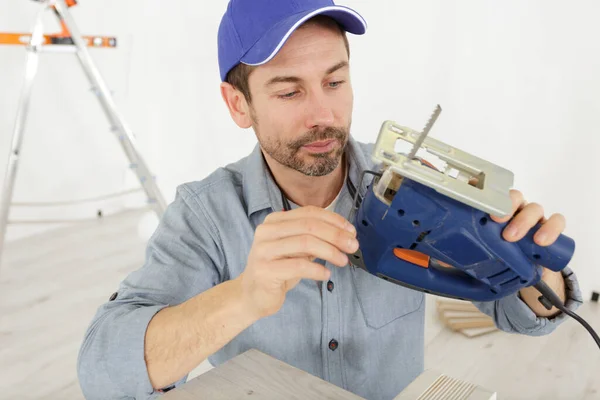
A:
(319, 111)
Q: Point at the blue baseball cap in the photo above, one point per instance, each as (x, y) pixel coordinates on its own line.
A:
(253, 31)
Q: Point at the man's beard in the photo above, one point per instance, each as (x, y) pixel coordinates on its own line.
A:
(313, 164)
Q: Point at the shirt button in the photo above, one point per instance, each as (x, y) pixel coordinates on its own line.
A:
(113, 296)
(330, 286)
(333, 344)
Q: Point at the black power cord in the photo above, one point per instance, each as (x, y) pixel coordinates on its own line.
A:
(549, 299)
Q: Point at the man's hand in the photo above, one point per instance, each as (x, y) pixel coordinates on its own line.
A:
(284, 248)
(523, 217)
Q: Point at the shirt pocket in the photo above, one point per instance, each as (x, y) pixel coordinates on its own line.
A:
(383, 302)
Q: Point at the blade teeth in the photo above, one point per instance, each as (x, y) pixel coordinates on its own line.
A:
(425, 132)
(433, 117)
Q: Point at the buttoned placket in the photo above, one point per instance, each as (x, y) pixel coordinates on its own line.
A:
(332, 348)
(332, 311)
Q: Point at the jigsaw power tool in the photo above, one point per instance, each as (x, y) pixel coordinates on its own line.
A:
(424, 223)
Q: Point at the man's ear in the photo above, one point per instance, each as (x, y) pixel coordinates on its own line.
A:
(237, 105)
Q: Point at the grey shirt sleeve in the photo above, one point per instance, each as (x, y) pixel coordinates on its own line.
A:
(513, 315)
(182, 260)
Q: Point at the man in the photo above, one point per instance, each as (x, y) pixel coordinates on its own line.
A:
(255, 255)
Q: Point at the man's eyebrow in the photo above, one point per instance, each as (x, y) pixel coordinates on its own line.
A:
(283, 79)
(337, 66)
(295, 79)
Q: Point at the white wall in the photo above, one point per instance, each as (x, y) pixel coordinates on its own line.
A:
(518, 82)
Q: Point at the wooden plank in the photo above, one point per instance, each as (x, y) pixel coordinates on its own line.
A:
(474, 332)
(464, 317)
(461, 314)
(259, 375)
(467, 324)
(456, 306)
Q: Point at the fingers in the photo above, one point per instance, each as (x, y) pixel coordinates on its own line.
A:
(311, 212)
(302, 246)
(319, 228)
(550, 230)
(518, 203)
(306, 232)
(529, 216)
(299, 268)
(525, 216)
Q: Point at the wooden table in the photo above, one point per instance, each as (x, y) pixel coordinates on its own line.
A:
(256, 375)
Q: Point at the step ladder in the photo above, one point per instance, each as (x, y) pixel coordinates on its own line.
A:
(69, 40)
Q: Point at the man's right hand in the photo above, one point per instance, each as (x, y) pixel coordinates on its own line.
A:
(284, 248)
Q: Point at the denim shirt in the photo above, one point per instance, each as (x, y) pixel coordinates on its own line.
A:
(359, 332)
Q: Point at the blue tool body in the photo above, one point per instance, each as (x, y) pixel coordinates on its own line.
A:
(484, 266)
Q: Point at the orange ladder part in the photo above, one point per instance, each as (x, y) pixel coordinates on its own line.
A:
(58, 39)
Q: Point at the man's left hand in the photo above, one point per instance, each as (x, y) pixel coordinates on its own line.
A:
(527, 216)
(523, 217)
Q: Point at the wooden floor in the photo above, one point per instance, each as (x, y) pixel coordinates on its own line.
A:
(51, 285)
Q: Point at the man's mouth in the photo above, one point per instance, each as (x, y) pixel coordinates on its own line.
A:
(320, 146)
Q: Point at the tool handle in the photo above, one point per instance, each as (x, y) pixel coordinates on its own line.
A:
(448, 282)
(554, 257)
(455, 282)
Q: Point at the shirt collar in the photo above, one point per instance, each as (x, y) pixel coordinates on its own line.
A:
(261, 191)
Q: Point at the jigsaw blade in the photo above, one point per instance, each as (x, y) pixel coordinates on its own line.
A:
(425, 132)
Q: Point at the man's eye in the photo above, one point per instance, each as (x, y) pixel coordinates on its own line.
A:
(287, 95)
(335, 84)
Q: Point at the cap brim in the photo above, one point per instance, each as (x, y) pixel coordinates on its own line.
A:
(267, 47)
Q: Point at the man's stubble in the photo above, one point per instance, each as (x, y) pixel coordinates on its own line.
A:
(288, 153)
